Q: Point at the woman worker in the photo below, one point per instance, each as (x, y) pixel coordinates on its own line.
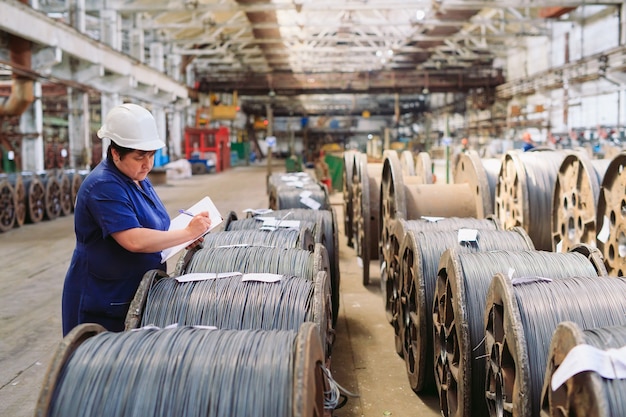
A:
(120, 223)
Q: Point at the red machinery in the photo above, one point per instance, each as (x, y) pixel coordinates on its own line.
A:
(207, 148)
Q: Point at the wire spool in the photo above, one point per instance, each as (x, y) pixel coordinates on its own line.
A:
(366, 218)
(52, 196)
(185, 371)
(20, 198)
(610, 222)
(586, 393)
(278, 238)
(35, 197)
(524, 192)
(574, 201)
(470, 170)
(76, 180)
(285, 191)
(348, 208)
(230, 219)
(420, 255)
(424, 167)
(391, 291)
(519, 321)
(407, 163)
(459, 304)
(8, 204)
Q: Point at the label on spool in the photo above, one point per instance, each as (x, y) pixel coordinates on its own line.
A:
(259, 211)
(559, 246)
(204, 276)
(431, 219)
(262, 277)
(468, 235)
(610, 364)
(359, 261)
(603, 234)
(272, 223)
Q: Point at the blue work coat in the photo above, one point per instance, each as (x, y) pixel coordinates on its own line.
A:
(103, 276)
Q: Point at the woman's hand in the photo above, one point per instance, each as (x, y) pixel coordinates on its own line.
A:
(199, 224)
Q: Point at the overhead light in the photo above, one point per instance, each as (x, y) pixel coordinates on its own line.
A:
(425, 91)
(420, 14)
(271, 93)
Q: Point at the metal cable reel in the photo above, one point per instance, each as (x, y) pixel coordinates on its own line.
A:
(420, 254)
(348, 210)
(462, 283)
(185, 371)
(575, 199)
(587, 393)
(524, 192)
(401, 228)
(610, 220)
(8, 204)
(520, 318)
(366, 196)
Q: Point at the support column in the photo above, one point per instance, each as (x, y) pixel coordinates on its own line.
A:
(31, 124)
(176, 138)
(78, 129)
(107, 102)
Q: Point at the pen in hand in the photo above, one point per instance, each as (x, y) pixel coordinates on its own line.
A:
(181, 211)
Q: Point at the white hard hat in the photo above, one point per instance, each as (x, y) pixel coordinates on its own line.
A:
(131, 126)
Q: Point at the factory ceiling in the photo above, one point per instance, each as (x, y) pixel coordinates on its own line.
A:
(322, 56)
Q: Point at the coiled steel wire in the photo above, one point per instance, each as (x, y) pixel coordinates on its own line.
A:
(278, 238)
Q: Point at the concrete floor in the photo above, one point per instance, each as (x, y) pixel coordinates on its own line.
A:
(35, 258)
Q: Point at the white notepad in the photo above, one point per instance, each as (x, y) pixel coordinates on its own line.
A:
(181, 221)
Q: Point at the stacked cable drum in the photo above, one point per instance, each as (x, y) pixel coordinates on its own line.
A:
(185, 371)
(348, 208)
(323, 224)
(521, 315)
(574, 201)
(463, 280)
(35, 197)
(366, 195)
(610, 221)
(524, 192)
(301, 263)
(412, 199)
(21, 203)
(402, 228)
(577, 380)
(8, 204)
(296, 190)
(420, 256)
(424, 168)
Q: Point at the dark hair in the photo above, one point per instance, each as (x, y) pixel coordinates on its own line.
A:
(122, 151)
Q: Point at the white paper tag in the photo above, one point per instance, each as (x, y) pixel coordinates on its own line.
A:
(383, 266)
(559, 246)
(258, 212)
(309, 202)
(205, 276)
(306, 194)
(234, 245)
(198, 326)
(468, 235)
(529, 280)
(603, 234)
(274, 222)
(359, 261)
(261, 277)
(610, 364)
(511, 272)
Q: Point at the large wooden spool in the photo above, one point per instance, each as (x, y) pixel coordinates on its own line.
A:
(348, 200)
(35, 197)
(366, 195)
(407, 163)
(8, 204)
(20, 197)
(575, 201)
(424, 167)
(308, 383)
(611, 217)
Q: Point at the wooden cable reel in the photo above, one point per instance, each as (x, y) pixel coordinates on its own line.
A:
(366, 219)
(461, 289)
(53, 195)
(65, 185)
(611, 220)
(20, 196)
(8, 204)
(407, 162)
(35, 197)
(470, 170)
(348, 208)
(586, 393)
(306, 386)
(524, 192)
(575, 200)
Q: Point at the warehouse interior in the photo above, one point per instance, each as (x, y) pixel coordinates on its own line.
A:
(505, 118)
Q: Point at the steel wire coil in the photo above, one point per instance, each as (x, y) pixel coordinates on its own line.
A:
(459, 303)
(420, 254)
(185, 371)
(8, 204)
(519, 321)
(610, 219)
(278, 238)
(390, 287)
(524, 192)
(285, 191)
(575, 200)
(587, 393)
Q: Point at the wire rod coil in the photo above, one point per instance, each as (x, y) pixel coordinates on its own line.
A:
(519, 321)
(424, 167)
(185, 371)
(348, 208)
(390, 288)
(586, 393)
(366, 196)
(524, 192)
(470, 170)
(463, 280)
(574, 201)
(278, 238)
(610, 220)
(8, 204)
(420, 255)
